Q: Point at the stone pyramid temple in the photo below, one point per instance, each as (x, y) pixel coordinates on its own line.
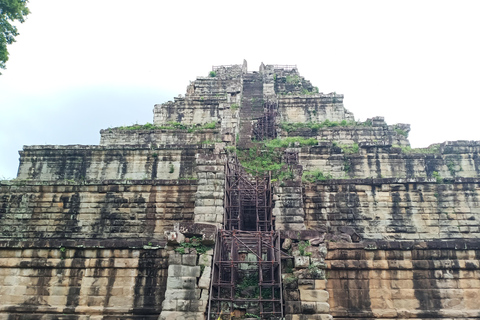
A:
(252, 196)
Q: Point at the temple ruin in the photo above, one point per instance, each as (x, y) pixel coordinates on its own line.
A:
(252, 196)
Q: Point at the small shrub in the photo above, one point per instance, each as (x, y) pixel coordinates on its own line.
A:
(349, 149)
(234, 107)
(302, 245)
(437, 176)
(293, 79)
(194, 243)
(171, 168)
(401, 132)
(346, 165)
(315, 175)
(212, 74)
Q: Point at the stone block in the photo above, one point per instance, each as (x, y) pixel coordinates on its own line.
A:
(320, 284)
(306, 284)
(204, 282)
(178, 315)
(314, 295)
(189, 259)
(169, 304)
(181, 282)
(205, 260)
(292, 295)
(289, 226)
(183, 305)
(322, 307)
(308, 307)
(287, 244)
(308, 317)
(293, 307)
(301, 262)
(183, 271)
(183, 294)
(204, 210)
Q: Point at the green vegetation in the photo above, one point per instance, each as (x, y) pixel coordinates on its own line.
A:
(268, 156)
(10, 11)
(346, 165)
(401, 132)
(188, 178)
(291, 142)
(451, 168)
(437, 176)
(258, 161)
(171, 168)
(315, 175)
(295, 79)
(249, 280)
(349, 148)
(170, 126)
(251, 315)
(234, 107)
(434, 148)
(212, 74)
(314, 126)
(302, 245)
(194, 243)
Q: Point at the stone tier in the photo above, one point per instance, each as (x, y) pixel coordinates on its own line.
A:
(402, 209)
(378, 134)
(125, 209)
(81, 162)
(158, 137)
(411, 279)
(378, 160)
(312, 108)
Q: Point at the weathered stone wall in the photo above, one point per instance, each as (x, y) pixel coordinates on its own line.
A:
(376, 160)
(88, 250)
(211, 188)
(312, 108)
(108, 210)
(107, 162)
(395, 209)
(90, 232)
(205, 100)
(288, 206)
(158, 137)
(348, 135)
(51, 280)
(404, 279)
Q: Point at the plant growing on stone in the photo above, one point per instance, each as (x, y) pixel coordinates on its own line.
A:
(437, 176)
(346, 165)
(401, 132)
(315, 175)
(302, 245)
(349, 148)
(194, 243)
(212, 74)
(315, 126)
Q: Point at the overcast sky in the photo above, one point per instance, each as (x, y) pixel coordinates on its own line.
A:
(80, 66)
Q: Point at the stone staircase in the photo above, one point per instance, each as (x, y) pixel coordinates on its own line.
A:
(252, 106)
